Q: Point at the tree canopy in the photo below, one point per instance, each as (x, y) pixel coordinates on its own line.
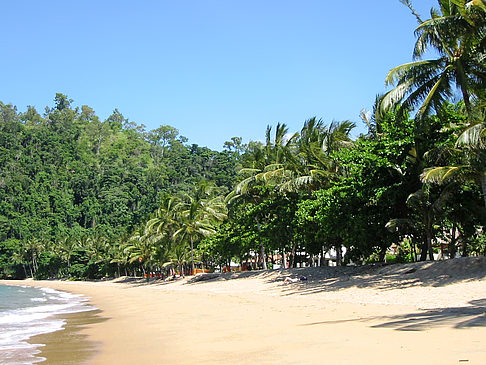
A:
(85, 198)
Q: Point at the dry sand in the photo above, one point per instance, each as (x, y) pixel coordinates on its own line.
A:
(422, 313)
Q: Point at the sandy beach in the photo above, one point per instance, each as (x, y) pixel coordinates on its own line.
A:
(422, 313)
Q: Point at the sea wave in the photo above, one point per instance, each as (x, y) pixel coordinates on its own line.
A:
(40, 315)
(38, 299)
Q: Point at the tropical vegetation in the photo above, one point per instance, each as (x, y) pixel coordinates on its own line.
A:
(85, 198)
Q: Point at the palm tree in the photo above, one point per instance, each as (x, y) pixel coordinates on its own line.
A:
(67, 246)
(312, 164)
(97, 247)
(165, 223)
(470, 155)
(265, 163)
(265, 166)
(120, 256)
(198, 215)
(426, 212)
(459, 43)
(141, 248)
(178, 256)
(300, 162)
(19, 258)
(303, 160)
(34, 247)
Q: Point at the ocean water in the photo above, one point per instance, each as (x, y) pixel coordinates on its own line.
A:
(27, 312)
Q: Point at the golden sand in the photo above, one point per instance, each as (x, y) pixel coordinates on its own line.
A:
(257, 319)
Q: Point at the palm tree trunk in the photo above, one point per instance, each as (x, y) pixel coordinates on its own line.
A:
(292, 255)
(423, 249)
(452, 244)
(264, 258)
(483, 187)
(464, 248)
(192, 256)
(323, 257)
(429, 234)
(339, 254)
(284, 259)
(467, 103)
(34, 263)
(382, 256)
(429, 246)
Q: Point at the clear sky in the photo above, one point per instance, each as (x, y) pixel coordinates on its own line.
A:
(213, 69)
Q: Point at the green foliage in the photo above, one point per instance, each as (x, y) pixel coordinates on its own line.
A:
(84, 198)
(67, 174)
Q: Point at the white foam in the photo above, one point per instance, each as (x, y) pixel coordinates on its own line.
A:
(18, 325)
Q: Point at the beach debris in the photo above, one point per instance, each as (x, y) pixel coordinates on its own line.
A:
(289, 280)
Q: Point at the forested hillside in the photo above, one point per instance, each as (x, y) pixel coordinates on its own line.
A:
(67, 177)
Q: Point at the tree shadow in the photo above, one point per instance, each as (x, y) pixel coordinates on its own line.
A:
(201, 278)
(131, 282)
(383, 277)
(470, 316)
(473, 315)
(327, 279)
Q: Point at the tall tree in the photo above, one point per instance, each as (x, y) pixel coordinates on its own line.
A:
(459, 43)
(199, 214)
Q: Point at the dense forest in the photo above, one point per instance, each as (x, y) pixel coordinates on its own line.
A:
(85, 198)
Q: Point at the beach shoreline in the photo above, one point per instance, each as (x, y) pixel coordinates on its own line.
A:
(416, 315)
(76, 346)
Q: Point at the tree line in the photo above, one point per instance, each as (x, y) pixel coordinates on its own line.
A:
(85, 198)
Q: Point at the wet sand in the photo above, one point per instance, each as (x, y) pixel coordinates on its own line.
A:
(72, 345)
(374, 318)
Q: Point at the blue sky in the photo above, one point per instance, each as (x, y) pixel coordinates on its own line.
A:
(212, 69)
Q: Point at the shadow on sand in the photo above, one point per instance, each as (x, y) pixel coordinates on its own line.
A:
(328, 279)
(472, 315)
(384, 277)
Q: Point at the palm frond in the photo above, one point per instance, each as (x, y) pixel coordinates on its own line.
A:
(432, 94)
(396, 224)
(474, 136)
(441, 174)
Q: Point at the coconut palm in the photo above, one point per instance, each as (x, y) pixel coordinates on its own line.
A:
(120, 256)
(303, 160)
(19, 258)
(307, 162)
(265, 166)
(470, 154)
(178, 256)
(311, 164)
(142, 248)
(164, 223)
(34, 247)
(97, 248)
(265, 163)
(67, 246)
(460, 66)
(199, 214)
(427, 210)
